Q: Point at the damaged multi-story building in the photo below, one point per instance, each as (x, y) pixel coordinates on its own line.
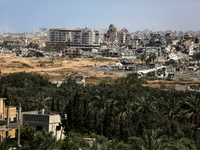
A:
(120, 37)
(111, 35)
(85, 39)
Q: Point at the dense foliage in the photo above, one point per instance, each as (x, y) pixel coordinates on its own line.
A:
(125, 112)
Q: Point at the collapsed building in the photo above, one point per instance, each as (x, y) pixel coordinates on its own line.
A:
(72, 52)
(24, 52)
(158, 71)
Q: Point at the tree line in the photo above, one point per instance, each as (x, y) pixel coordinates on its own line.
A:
(121, 110)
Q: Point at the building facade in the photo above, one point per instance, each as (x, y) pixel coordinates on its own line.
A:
(123, 36)
(7, 126)
(111, 35)
(72, 52)
(82, 38)
(47, 122)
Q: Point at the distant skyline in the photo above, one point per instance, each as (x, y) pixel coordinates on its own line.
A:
(29, 15)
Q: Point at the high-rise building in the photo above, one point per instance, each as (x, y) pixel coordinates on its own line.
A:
(123, 36)
(111, 35)
(120, 37)
(83, 38)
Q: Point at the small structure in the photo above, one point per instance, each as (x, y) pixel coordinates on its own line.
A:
(80, 79)
(159, 72)
(47, 122)
(90, 141)
(8, 120)
(180, 87)
(198, 139)
(72, 52)
(193, 65)
(56, 83)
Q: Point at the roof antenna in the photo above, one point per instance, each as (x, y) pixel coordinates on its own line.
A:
(85, 26)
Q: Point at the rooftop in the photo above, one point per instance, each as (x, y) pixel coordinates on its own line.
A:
(70, 30)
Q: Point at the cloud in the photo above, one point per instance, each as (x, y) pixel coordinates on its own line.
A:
(5, 28)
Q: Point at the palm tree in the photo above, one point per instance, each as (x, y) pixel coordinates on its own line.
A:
(143, 57)
(153, 56)
(146, 110)
(41, 100)
(43, 140)
(12, 95)
(124, 104)
(190, 110)
(124, 107)
(101, 99)
(173, 108)
(151, 140)
(6, 143)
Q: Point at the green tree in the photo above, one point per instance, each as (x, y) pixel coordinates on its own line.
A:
(42, 140)
(23, 80)
(143, 58)
(67, 145)
(36, 46)
(6, 143)
(182, 143)
(30, 45)
(41, 101)
(170, 62)
(151, 140)
(26, 136)
(153, 56)
(146, 110)
(191, 110)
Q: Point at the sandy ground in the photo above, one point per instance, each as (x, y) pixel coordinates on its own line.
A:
(57, 69)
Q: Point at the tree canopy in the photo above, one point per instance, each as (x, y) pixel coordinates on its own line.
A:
(123, 111)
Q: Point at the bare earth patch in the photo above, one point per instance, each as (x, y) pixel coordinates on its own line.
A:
(56, 69)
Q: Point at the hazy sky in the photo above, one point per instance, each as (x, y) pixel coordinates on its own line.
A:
(29, 15)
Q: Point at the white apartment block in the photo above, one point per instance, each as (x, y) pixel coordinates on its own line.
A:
(79, 36)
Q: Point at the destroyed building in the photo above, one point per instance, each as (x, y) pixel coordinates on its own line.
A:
(111, 35)
(72, 52)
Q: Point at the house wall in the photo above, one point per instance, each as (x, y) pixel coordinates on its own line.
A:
(37, 121)
(54, 126)
(2, 109)
(3, 118)
(12, 113)
(49, 123)
(180, 87)
(10, 133)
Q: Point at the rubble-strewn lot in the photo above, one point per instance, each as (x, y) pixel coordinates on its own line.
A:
(94, 69)
(57, 68)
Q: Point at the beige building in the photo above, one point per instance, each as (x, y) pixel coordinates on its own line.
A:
(121, 37)
(7, 127)
(85, 39)
(47, 122)
(72, 52)
(111, 35)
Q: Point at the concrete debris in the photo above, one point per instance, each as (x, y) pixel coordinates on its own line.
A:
(177, 51)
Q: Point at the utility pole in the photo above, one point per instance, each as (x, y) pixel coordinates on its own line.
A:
(19, 124)
(8, 120)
